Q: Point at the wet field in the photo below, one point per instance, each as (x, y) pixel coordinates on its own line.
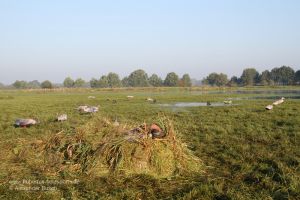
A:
(247, 152)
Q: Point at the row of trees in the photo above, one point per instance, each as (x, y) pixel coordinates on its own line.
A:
(32, 84)
(139, 78)
(69, 82)
(277, 76)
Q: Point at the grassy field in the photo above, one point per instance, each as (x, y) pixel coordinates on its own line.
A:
(246, 151)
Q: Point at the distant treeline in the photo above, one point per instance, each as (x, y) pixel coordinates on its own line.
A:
(139, 78)
(277, 76)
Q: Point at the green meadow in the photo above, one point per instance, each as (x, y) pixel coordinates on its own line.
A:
(246, 152)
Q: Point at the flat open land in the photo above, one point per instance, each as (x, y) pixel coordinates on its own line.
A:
(246, 152)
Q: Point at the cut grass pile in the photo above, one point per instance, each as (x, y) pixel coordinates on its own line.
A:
(99, 149)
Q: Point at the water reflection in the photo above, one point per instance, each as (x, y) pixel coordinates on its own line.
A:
(194, 104)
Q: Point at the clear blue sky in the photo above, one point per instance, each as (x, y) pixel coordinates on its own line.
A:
(58, 38)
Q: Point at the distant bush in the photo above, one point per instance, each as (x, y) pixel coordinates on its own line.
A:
(46, 85)
(68, 82)
(171, 80)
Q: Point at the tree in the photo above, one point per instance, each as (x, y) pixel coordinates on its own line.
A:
(249, 76)
(20, 84)
(216, 79)
(234, 81)
(2, 85)
(79, 82)
(222, 80)
(94, 83)
(125, 82)
(171, 79)
(68, 82)
(155, 81)
(47, 84)
(103, 82)
(113, 80)
(297, 77)
(283, 75)
(138, 78)
(211, 79)
(34, 84)
(186, 80)
(265, 78)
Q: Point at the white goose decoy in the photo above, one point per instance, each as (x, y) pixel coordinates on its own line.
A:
(81, 108)
(149, 99)
(280, 101)
(269, 107)
(227, 102)
(88, 109)
(130, 97)
(25, 122)
(62, 117)
(91, 109)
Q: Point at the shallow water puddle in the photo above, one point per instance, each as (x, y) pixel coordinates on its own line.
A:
(278, 92)
(193, 104)
(274, 97)
(264, 97)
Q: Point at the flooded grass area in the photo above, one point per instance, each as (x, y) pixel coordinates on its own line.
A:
(194, 104)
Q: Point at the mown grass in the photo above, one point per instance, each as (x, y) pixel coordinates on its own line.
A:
(249, 153)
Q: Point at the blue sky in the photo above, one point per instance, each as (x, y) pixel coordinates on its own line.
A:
(54, 39)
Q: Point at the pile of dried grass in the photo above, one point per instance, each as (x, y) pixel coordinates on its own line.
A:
(99, 148)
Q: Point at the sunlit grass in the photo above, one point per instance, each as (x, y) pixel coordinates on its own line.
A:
(248, 152)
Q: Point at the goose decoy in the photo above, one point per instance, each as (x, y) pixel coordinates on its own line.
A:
(227, 102)
(208, 103)
(130, 97)
(269, 107)
(25, 122)
(62, 117)
(91, 109)
(149, 99)
(81, 108)
(88, 109)
(280, 101)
